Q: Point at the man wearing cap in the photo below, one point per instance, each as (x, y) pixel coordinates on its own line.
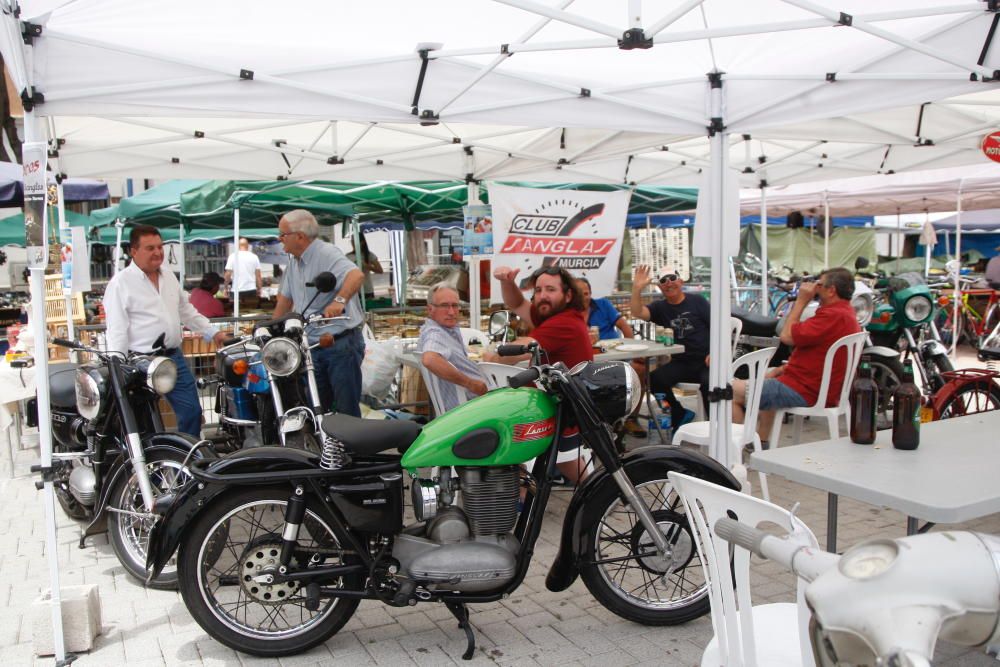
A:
(689, 316)
(144, 302)
(338, 367)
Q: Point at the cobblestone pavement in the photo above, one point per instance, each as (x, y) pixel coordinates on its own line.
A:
(533, 627)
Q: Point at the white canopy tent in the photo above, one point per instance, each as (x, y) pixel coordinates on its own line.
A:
(689, 68)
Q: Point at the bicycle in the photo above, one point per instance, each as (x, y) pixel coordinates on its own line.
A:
(975, 324)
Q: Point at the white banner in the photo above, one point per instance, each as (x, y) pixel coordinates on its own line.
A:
(578, 230)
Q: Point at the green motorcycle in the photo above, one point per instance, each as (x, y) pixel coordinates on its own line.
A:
(277, 547)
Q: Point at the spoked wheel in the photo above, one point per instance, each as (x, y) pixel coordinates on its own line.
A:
(970, 399)
(227, 553)
(129, 524)
(623, 569)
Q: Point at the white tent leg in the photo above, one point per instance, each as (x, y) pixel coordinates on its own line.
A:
(38, 258)
(119, 225)
(359, 258)
(236, 272)
(475, 304)
(957, 294)
(765, 301)
(180, 248)
(827, 231)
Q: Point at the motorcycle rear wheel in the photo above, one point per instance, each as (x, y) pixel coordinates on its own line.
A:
(888, 375)
(970, 399)
(620, 566)
(228, 604)
(128, 532)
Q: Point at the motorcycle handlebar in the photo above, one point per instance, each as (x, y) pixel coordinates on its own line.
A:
(232, 341)
(524, 378)
(207, 381)
(806, 562)
(513, 350)
(63, 342)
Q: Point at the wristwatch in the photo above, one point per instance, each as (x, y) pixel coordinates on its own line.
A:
(340, 299)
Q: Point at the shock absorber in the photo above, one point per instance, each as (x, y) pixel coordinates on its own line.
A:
(333, 456)
(295, 511)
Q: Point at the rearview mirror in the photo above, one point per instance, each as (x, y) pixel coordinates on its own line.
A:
(499, 321)
(325, 282)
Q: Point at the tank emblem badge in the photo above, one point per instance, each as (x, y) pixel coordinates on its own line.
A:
(534, 430)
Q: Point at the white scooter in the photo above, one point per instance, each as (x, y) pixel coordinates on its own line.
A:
(885, 602)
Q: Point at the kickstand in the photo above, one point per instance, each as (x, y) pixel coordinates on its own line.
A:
(460, 612)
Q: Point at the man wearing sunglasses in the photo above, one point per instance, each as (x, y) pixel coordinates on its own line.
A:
(689, 316)
(556, 313)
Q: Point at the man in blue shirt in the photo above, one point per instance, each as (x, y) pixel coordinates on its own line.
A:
(338, 367)
(601, 313)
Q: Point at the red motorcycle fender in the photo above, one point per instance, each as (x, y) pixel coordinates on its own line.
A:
(152, 444)
(566, 566)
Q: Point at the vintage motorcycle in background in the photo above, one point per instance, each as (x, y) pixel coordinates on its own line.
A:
(277, 546)
(266, 386)
(111, 456)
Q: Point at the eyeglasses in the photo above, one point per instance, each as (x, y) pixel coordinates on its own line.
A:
(547, 271)
(282, 235)
(447, 306)
(668, 278)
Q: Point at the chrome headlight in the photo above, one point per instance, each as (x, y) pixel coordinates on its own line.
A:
(161, 376)
(89, 390)
(613, 386)
(281, 356)
(864, 306)
(918, 308)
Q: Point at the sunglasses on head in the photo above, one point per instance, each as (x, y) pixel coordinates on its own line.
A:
(546, 270)
(668, 278)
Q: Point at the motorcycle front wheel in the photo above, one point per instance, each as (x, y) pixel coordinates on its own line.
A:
(621, 567)
(226, 550)
(128, 524)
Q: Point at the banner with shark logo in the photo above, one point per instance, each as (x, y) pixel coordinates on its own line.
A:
(578, 230)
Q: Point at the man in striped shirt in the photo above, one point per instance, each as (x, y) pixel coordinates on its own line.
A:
(457, 379)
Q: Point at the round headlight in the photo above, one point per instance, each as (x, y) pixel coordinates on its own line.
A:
(281, 356)
(613, 386)
(868, 559)
(863, 305)
(161, 376)
(918, 308)
(88, 393)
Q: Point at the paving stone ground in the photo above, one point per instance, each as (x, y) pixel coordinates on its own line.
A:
(148, 628)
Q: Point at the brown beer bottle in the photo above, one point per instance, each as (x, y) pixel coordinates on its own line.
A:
(864, 403)
(906, 412)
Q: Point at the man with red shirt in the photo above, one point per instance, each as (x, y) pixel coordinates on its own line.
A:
(796, 385)
(556, 313)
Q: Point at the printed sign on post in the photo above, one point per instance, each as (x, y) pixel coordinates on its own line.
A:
(477, 239)
(35, 195)
(991, 146)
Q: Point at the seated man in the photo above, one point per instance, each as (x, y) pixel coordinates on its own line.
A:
(556, 312)
(796, 385)
(690, 318)
(444, 354)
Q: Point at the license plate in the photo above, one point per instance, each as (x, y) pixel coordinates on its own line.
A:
(926, 414)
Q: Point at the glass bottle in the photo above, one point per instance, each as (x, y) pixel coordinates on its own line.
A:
(864, 405)
(906, 412)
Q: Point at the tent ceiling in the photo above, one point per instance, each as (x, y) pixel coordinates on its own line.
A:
(596, 113)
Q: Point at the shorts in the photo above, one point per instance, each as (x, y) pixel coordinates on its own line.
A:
(776, 394)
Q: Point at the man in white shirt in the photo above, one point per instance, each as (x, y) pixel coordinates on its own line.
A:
(243, 272)
(144, 301)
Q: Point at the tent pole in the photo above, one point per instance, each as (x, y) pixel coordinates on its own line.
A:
(827, 231)
(38, 258)
(927, 249)
(957, 294)
(236, 271)
(359, 258)
(899, 239)
(119, 225)
(180, 248)
(764, 264)
(475, 304)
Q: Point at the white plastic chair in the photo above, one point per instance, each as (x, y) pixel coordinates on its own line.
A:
(768, 635)
(853, 344)
(432, 392)
(698, 433)
(693, 401)
(471, 336)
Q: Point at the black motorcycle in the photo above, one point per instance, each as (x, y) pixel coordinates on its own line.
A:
(111, 456)
(278, 546)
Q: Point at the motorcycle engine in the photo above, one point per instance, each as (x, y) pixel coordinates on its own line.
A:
(465, 541)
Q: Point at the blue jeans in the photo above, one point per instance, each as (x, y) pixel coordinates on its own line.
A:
(184, 398)
(776, 394)
(338, 373)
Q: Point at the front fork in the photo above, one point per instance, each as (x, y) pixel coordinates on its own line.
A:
(663, 546)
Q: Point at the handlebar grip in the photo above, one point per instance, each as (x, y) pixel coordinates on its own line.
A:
(63, 342)
(524, 378)
(741, 534)
(230, 341)
(207, 381)
(512, 350)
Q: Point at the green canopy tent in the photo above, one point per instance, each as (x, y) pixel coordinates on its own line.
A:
(12, 227)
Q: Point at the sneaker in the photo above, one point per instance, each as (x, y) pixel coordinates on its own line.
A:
(633, 428)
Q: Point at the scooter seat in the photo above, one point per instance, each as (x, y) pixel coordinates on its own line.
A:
(371, 436)
(62, 385)
(755, 324)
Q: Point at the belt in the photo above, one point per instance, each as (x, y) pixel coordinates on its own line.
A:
(347, 332)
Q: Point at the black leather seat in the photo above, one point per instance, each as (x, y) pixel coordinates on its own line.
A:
(371, 436)
(755, 324)
(62, 385)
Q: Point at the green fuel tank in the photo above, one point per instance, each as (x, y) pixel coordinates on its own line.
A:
(502, 427)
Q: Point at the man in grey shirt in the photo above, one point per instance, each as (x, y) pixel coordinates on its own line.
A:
(455, 378)
(338, 367)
